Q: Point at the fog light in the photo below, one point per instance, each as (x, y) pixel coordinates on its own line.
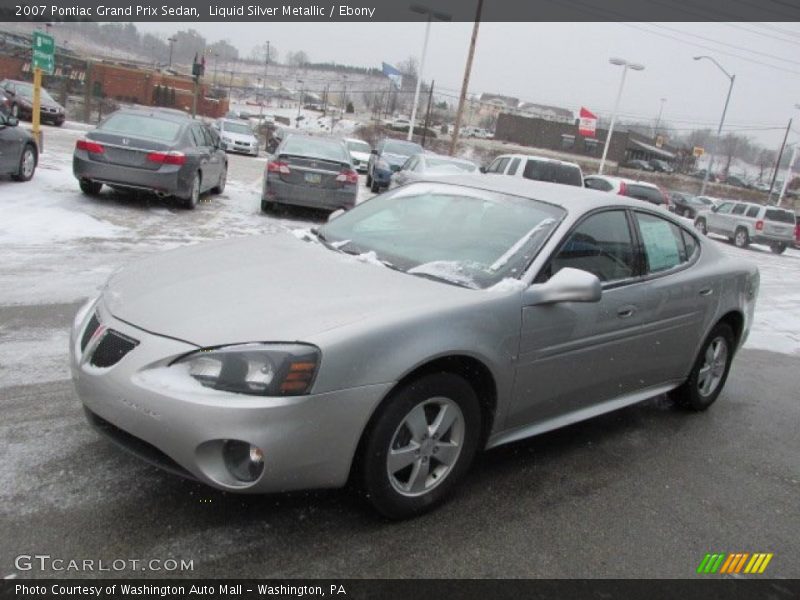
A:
(244, 461)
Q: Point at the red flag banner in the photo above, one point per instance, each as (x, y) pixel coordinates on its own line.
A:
(587, 124)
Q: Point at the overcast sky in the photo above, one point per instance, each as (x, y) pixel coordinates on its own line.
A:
(566, 64)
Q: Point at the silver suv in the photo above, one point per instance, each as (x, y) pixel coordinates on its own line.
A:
(745, 223)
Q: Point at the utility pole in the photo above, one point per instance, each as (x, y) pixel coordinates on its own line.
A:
(428, 113)
(788, 178)
(778, 162)
(465, 84)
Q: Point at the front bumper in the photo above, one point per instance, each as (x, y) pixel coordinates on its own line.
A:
(307, 441)
(240, 148)
(168, 179)
(382, 177)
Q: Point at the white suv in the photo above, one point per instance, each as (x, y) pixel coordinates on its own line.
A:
(746, 223)
(537, 168)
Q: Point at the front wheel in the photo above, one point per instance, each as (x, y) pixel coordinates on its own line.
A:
(15, 111)
(369, 180)
(223, 178)
(778, 248)
(710, 370)
(375, 187)
(27, 164)
(421, 444)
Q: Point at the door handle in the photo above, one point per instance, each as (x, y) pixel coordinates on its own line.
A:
(706, 291)
(623, 312)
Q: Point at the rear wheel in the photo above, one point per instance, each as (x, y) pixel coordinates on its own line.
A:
(700, 225)
(223, 178)
(369, 180)
(710, 370)
(27, 164)
(89, 187)
(420, 445)
(194, 193)
(740, 238)
(778, 248)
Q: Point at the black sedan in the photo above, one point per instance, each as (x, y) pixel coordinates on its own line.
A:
(18, 151)
(161, 151)
(686, 205)
(639, 165)
(19, 96)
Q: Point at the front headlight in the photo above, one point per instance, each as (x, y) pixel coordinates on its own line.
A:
(255, 369)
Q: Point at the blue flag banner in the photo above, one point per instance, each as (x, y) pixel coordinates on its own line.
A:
(393, 74)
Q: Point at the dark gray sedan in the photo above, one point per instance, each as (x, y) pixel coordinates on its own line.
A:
(18, 151)
(159, 151)
(315, 172)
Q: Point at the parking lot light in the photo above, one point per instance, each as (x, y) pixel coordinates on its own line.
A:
(721, 121)
(430, 14)
(620, 62)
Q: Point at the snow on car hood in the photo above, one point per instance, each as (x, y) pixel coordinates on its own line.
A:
(265, 288)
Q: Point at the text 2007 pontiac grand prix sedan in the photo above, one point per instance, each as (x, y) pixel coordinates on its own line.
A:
(390, 345)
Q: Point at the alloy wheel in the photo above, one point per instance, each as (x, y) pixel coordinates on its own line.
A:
(713, 369)
(425, 446)
(28, 163)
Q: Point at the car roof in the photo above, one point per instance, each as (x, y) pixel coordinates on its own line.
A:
(454, 159)
(540, 158)
(571, 197)
(351, 139)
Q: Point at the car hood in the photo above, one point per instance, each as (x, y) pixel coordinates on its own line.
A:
(394, 159)
(360, 156)
(265, 288)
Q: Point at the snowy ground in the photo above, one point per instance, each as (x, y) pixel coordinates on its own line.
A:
(58, 246)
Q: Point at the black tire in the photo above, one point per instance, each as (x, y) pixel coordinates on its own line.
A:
(700, 225)
(15, 111)
(369, 180)
(269, 207)
(778, 248)
(375, 188)
(740, 238)
(191, 201)
(27, 164)
(388, 425)
(690, 394)
(89, 187)
(223, 178)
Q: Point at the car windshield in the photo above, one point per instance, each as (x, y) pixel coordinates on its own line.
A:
(444, 164)
(356, 146)
(402, 148)
(26, 91)
(233, 127)
(461, 236)
(149, 126)
(323, 148)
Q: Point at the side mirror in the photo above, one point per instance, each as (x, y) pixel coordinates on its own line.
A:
(568, 285)
(482, 169)
(335, 214)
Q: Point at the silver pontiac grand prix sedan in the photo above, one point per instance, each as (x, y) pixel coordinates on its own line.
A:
(390, 345)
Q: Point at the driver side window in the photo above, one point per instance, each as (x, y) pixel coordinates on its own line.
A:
(602, 245)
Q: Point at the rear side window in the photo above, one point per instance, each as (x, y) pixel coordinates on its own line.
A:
(647, 194)
(602, 245)
(663, 241)
(752, 211)
(540, 170)
(779, 216)
(197, 136)
(597, 184)
(739, 209)
(512, 169)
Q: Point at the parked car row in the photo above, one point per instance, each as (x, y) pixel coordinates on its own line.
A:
(19, 98)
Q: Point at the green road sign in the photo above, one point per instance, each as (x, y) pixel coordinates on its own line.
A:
(44, 51)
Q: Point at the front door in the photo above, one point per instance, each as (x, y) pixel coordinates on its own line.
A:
(574, 355)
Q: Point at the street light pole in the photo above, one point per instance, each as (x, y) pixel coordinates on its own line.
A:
(625, 66)
(171, 41)
(263, 91)
(721, 121)
(462, 99)
(431, 15)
